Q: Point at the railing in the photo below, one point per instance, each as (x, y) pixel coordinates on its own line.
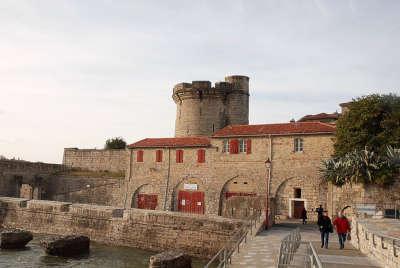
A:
(224, 256)
(288, 251)
(313, 258)
(289, 245)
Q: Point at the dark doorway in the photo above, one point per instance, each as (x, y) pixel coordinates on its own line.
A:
(297, 209)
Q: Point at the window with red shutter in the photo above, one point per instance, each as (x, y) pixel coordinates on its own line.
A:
(201, 156)
(159, 154)
(248, 145)
(234, 146)
(179, 156)
(139, 156)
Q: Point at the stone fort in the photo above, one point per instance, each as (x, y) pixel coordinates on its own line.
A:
(217, 164)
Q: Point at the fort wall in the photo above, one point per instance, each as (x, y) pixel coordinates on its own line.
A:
(378, 239)
(14, 173)
(200, 236)
(96, 160)
(223, 173)
(99, 191)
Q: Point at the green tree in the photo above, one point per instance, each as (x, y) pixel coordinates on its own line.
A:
(363, 166)
(115, 143)
(372, 121)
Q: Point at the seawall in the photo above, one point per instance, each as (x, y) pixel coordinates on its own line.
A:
(379, 239)
(198, 235)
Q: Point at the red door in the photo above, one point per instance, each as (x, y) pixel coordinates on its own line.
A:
(147, 201)
(191, 202)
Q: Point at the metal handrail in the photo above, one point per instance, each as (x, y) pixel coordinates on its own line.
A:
(289, 245)
(224, 255)
(315, 261)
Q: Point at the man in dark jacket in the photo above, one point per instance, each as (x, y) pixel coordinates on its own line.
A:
(320, 211)
(304, 215)
(325, 227)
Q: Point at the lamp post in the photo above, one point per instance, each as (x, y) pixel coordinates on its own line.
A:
(268, 167)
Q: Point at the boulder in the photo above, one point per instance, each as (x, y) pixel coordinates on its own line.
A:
(14, 238)
(66, 246)
(170, 259)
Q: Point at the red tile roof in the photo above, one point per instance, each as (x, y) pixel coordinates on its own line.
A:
(276, 129)
(171, 142)
(320, 116)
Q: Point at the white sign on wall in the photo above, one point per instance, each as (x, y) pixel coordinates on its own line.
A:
(190, 186)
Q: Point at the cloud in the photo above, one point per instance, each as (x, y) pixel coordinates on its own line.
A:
(74, 73)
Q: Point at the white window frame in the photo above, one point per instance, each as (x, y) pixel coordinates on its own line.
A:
(225, 146)
(242, 146)
(298, 145)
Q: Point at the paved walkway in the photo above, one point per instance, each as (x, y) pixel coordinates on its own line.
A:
(263, 249)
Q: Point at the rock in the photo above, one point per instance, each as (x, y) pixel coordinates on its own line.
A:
(14, 238)
(170, 259)
(67, 246)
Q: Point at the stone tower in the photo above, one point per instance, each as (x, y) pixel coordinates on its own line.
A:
(203, 109)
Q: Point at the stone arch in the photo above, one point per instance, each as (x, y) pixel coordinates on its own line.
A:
(293, 193)
(146, 191)
(236, 186)
(191, 184)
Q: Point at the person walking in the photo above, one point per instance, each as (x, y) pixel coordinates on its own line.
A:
(304, 215)
(320, 211)
(342, 227)
(325, 227)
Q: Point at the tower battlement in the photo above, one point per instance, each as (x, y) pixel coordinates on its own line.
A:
(203, 108)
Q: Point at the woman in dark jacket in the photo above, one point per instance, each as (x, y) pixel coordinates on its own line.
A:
(325, 227)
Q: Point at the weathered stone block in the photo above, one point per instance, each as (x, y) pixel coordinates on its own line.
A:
(14, 238)
(170, 259)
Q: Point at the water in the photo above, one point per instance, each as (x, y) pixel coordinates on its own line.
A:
(33, 256)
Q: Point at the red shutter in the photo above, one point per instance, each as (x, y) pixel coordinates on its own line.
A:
(234, 146)
(201, 156)
(248, 145)
(139, 156)
(179, 156)
(159, 154)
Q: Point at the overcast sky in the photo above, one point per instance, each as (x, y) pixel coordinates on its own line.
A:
(73, 73)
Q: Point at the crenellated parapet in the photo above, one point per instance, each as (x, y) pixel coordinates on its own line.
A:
(203, 108)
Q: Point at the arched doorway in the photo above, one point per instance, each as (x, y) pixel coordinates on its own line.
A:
(295, 193)
(145, 198)
(237, 186)
(189, 196)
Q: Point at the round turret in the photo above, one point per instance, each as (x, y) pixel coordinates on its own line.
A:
(203, 109)
(238, 100)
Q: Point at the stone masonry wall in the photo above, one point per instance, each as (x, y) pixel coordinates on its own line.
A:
(223, 172)
(384, 249)
(96, 160)
(358, 194)
(200, 236)
(14, 173)
(99, 191)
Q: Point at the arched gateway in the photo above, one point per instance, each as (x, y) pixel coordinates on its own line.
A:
(189, 196)
(145, 198)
